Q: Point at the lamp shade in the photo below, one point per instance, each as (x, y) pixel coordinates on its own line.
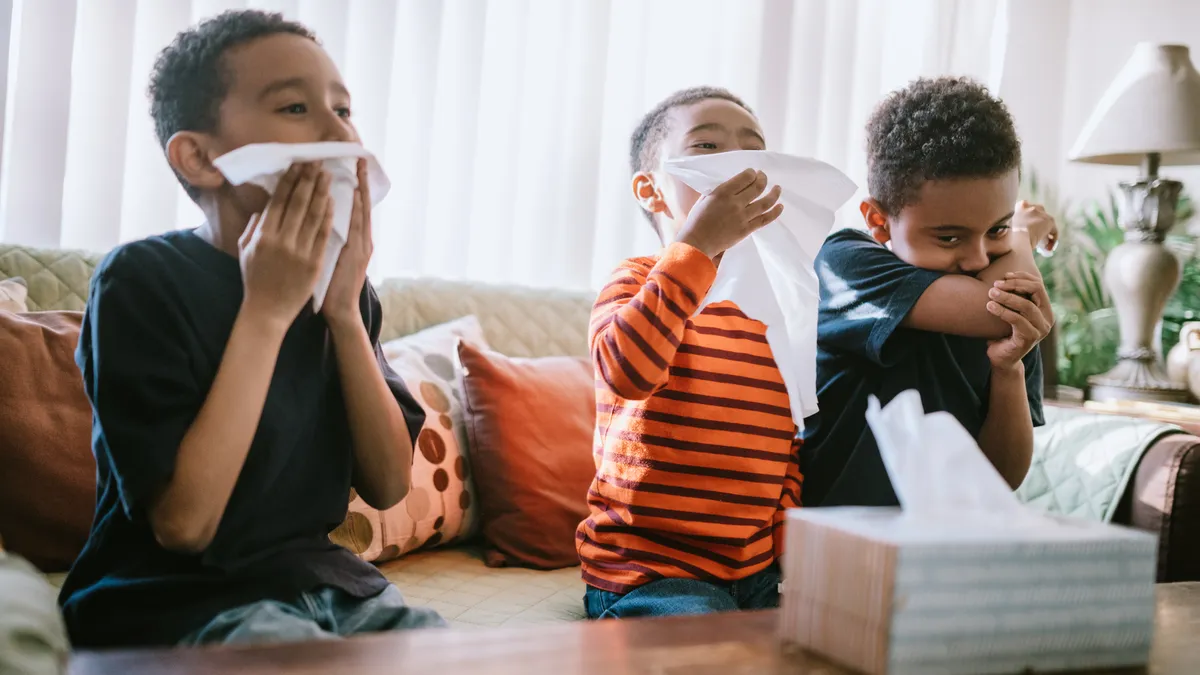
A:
(1153, 106)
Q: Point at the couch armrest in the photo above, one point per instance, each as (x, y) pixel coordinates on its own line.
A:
(1164, 498)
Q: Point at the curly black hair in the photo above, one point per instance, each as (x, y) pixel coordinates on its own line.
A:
(937, 129)
(649, 133)
(189, 81)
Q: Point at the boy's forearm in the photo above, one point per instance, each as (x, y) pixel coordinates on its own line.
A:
(637, 327)
(956, 304)
(381, 437)
(186, 513)
(1007, 435)
(1020, 259)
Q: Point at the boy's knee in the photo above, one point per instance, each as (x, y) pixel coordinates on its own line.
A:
(672, 597)
(32, 636)
(261, 622)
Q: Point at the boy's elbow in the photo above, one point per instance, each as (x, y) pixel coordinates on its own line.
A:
(382, 495)
(1016, 470)
(180, 535)
(619, 383)
(998, 329)
(626, 390)
(385, 498)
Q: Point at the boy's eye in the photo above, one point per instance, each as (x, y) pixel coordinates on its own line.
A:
(294, 109)
(343, 112)
(705, 145)
(948, 239)
(1000, 231)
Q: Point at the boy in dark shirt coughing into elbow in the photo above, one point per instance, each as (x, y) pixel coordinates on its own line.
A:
(230, 421)
(942, 296)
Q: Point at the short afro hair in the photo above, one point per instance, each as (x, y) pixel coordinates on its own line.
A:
(648, 136)
(189, 80)
(942, 128)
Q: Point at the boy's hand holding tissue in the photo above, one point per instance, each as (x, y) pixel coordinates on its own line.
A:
(341, 306)
(730, 213)
(281, 249)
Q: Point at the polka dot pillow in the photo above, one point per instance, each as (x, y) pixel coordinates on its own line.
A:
(440, 508)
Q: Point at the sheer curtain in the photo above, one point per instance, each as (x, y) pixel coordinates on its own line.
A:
(503, 124)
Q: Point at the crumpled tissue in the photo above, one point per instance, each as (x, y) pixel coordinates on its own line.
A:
(770, 274)
(263, 164)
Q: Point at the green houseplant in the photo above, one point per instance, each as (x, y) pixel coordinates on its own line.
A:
(1086, 321)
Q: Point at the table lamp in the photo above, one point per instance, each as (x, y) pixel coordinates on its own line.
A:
(1148, 117)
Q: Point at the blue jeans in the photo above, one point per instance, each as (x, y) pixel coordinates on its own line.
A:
(673, 597)
(323, 614)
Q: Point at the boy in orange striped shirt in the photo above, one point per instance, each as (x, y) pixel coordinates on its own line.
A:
(695, 448)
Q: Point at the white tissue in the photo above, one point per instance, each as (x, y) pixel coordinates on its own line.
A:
(263, 164)
(770, 275)
(936, 467)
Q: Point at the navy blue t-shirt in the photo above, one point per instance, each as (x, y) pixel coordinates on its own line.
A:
(866, 291)
(158, 317)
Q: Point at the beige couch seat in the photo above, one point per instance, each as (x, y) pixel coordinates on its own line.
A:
(455, 582)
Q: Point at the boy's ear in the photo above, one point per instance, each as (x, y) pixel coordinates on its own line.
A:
(876, 220)
(647, 194)
(188, 154)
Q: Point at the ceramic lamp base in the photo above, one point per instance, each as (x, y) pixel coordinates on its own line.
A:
(1135, 379)
(1140, 275)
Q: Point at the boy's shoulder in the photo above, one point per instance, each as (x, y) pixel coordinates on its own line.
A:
(849, 240)
(144, 259)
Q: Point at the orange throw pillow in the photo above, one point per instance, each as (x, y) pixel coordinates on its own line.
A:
(530, 423)
(48, 479)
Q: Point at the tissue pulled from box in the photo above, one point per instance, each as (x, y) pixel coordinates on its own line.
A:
(946, 477)
(263, 164)
(770, 275)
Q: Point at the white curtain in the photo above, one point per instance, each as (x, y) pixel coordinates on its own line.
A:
(503, 124)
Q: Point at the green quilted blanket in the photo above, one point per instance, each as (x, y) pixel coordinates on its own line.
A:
(1083, 461)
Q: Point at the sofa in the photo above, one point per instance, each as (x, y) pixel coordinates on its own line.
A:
(1162, 495)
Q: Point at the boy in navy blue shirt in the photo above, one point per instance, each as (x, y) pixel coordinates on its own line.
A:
(230, 421)
(942, 296)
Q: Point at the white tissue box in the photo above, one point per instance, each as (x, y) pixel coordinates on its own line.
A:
(881, 593)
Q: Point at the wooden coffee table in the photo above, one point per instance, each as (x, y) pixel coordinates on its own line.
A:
(725, 644)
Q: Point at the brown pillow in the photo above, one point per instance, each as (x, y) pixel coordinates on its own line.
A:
(530, 424)
(48, 479)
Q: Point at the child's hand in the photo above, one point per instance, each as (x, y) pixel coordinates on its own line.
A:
(281, 249)
(350, 275)
(1033, 219)
(1020, 300)
(731, 213)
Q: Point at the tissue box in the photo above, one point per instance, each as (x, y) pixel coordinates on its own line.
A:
(882, 593)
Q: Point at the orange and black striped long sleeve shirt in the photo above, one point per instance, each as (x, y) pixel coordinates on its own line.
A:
(696, 451)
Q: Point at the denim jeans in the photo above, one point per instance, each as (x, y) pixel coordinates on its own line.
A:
(673, 597)
(323, 614)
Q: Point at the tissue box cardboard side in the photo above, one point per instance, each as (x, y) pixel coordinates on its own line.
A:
(970, 604)
(837, 594)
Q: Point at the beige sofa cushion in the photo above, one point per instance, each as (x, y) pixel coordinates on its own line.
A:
(57, 280)
(456, 583)
(521, 322)
(12, 295)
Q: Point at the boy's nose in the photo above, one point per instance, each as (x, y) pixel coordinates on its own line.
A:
(338, 129)
(975, 261)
